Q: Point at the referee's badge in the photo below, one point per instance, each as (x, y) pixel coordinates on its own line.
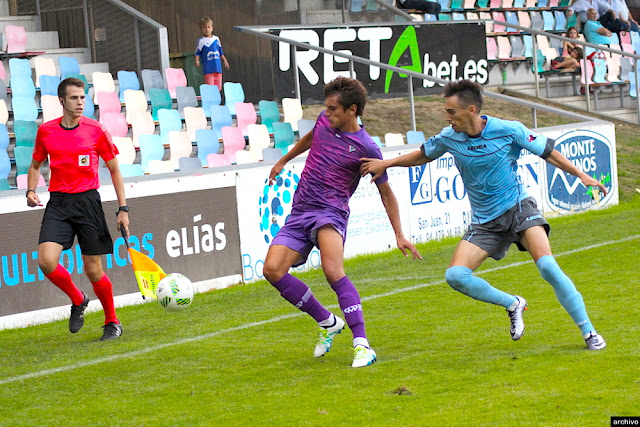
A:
(83, 160)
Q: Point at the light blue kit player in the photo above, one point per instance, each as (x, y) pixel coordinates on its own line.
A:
(485, 151)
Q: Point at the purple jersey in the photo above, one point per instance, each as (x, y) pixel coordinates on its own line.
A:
(332, 170)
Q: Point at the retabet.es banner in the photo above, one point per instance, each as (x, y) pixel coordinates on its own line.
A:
(448, 51)
(191, 232)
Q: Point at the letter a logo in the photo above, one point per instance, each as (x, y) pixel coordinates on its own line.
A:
(408, 40)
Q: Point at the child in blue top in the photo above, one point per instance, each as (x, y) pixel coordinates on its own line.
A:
(209, 53)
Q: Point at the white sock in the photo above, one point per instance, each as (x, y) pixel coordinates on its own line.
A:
(361, 341)
(328, 322)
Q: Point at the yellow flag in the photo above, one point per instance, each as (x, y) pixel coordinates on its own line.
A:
(148, 273)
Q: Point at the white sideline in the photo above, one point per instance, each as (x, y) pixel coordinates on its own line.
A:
(277, 319)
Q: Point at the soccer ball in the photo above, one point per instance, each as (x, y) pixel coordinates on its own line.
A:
(175, 292)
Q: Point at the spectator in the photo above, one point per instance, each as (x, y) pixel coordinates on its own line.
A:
(572, 33)
(580, 7)
(622, 10)
(568, 63)
(209, 52)
(593, 30)
(420, 6)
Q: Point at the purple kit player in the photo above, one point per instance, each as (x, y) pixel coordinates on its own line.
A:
(320, 214)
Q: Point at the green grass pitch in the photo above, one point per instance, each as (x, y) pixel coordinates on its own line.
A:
(243, 356)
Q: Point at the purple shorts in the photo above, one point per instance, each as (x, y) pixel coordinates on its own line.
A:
(300, 232)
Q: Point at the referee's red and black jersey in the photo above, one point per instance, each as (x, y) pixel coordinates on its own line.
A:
(73, 154)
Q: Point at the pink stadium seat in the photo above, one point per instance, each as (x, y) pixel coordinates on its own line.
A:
(21, 181)
(492, 48)
(175, 77)
(109, 103)
(233, 141)
(115, 124)
(16, 38)
(215, 160)
(245, 115)
(504, 47)
(3, 73)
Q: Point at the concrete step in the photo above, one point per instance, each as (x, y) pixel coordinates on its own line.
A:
(30, 23)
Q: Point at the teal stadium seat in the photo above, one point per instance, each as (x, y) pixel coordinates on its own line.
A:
(269, 113)
(160, 99)
(23, 156)
(25, 133)
(283, 136)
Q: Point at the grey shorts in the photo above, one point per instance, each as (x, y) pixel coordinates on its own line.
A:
(301, 230)
(497, 235)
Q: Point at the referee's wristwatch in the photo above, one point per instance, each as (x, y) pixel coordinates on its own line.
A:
(124, 208)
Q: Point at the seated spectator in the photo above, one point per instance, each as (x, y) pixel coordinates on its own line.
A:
(621, 8)
(611, 20)
(580, 7)
(420, 6)
(572, 33)
(593, 30)
(568, 63)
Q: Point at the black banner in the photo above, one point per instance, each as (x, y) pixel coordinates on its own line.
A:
(194, 233)
(448, 51)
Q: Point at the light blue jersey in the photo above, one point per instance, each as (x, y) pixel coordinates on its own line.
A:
(487, 163)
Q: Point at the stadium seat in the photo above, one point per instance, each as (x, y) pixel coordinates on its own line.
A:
(189, 163)
(23, 156)
(3, 72)
(512, 18)
(528, 46)
(207, 143)
(134, 102)
(305, 126)
(141, 124)
(377, 140)
(209, 95)
(108, 102)
(4, 137)
(25, 132)
(498, 27)
(160, 99)
(49, 85)
(89, 108)
(127, 80)
(415, 137)
(548, 21)
(613, 67)
(68, 65)
(292, 109)
(269, 113)
(220, 117)
(22, 181)
(561, 20)
(22, 86)
(44, 66)
(151, 148)
(4, 112)
(151, 79)
(492, 48)
(393, 139)
(160, 166)
(129, 170)
(504, 47)
(51, 107)
(216, 160)
(599, 68)
(357, 6)
(233, 141)
(271, 154)
(524, 19)
(537, 22)
(517, 47)
(245, 116)
(84, 80)
(102, 82)
(20, 67)
(233, 93)
(185, 97)
(258, 139)
(16, 38)
(169, 120)
(3, 89)
(126, 150)
(244, 157)
(179, 146)
(283, 136)
(115, 124)
(194, 119)
(175, 77)
(5, 164)
(24, 108)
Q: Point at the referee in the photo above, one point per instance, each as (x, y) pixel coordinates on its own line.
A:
(74, 144)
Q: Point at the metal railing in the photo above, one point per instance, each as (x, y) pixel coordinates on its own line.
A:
(263, 32)
(525, 30)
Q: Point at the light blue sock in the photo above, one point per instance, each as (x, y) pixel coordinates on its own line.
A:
(461, 279)
(566, 292)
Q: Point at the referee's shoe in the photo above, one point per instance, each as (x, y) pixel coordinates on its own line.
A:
(76, 320)
(112, 330)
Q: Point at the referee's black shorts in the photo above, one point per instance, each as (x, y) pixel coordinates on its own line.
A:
(77, 214)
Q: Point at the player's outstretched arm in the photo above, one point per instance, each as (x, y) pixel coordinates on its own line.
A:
(558, 160)
(301, 146)
(391, 205)
(376, 167)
